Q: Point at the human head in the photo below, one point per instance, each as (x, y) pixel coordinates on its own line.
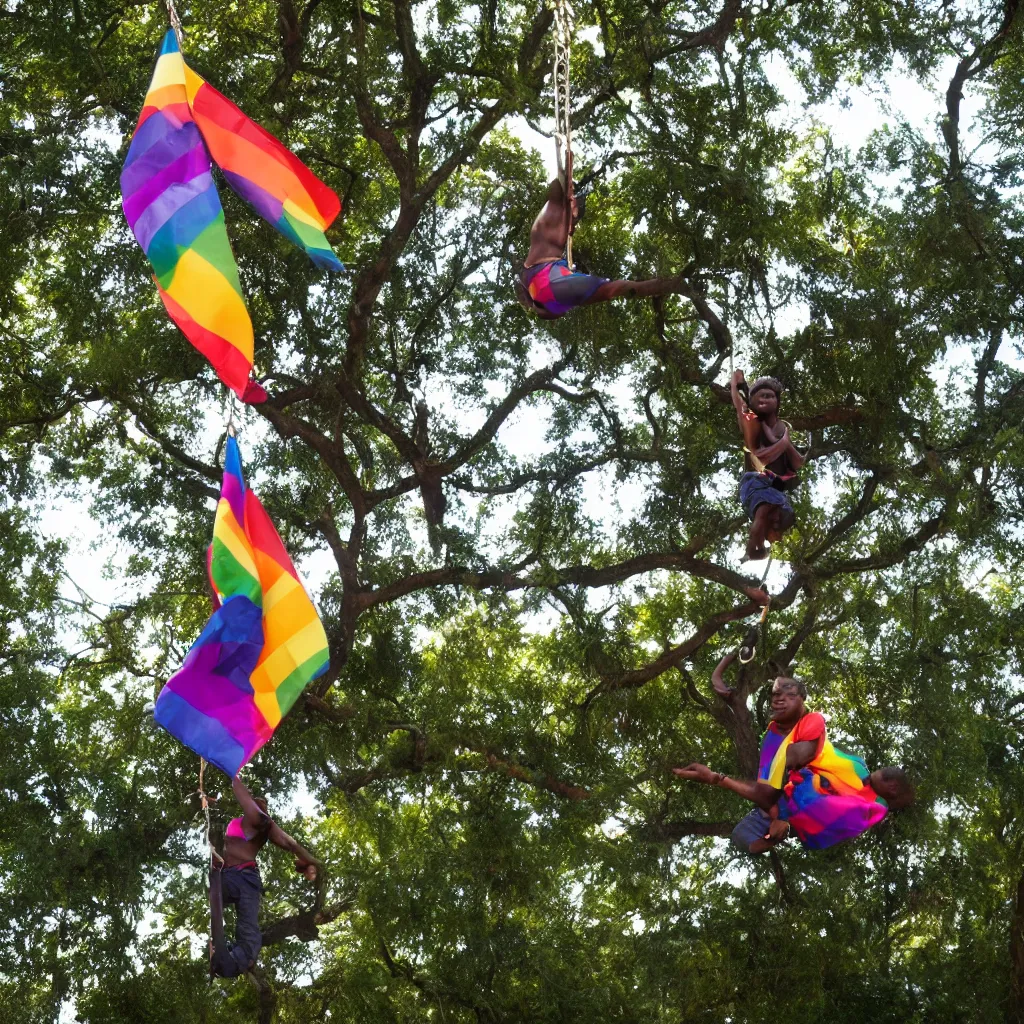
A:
(765, 396)
(788, 696)
(894, 786)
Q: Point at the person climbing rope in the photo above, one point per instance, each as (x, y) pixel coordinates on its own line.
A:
(238, 882)
(548, 286)
(804, 783)
(771, 462)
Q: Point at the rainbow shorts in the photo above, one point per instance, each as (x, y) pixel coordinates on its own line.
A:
(554, 289)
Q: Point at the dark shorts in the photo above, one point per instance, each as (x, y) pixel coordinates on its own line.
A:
(554, 289)
(753, 826)
(761, 489)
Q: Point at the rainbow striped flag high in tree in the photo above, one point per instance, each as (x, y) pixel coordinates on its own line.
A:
(173, 209)
(263, 644)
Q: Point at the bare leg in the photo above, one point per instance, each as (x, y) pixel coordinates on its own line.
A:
(762, 522)
(637, 289)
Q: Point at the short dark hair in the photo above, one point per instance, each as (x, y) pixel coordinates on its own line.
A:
(792, 683)
(771, 383)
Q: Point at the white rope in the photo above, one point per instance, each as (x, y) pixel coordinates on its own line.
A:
(564, 25)
(204, 800)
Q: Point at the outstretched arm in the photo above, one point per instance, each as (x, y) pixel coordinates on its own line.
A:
(759, 793)
(253, 819)
(305, 862)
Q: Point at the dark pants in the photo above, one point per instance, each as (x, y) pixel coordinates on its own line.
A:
(243, 888)
(761, 489)
(753, 826)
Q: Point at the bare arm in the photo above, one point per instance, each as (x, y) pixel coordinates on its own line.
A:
(718, 677)
(253, 819)
(305, 862)
(737, 401)
(801, 754)
(770, 453)
(759, 793)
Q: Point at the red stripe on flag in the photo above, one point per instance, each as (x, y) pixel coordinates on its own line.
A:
(219, 109)
(230, 365)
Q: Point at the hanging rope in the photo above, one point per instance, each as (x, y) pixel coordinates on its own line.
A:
(172, 17)
(205, 802)
(749, 646)
(564, 24)
(230, 407)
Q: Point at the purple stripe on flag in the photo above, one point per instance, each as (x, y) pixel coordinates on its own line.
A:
(165, 206)
(266, 205)
(232, 488)
(172, 142)
(162, 124)
(202, 734)
(184, 169)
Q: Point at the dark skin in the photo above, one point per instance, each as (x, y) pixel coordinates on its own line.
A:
(548, 237)
(257, 823)
(768, 438)
(787, 708)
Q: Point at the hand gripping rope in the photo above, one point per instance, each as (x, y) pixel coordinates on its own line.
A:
(564, 23)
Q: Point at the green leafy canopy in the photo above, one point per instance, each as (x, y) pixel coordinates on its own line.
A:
(524, 537)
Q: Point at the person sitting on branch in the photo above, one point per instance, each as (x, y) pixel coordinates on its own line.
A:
(548, 286)
(771, 462)
(237, 881)
(804, 783)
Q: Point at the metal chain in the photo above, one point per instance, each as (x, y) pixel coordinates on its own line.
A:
(172, 17)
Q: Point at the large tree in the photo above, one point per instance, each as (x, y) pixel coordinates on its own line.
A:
(526, 535)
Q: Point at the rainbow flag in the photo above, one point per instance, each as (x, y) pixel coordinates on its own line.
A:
(172, 206)
(263, 644)
(272, 179)
(830, 801)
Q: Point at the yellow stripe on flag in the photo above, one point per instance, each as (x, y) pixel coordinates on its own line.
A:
(201, 289)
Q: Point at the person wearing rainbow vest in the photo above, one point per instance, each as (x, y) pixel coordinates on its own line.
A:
(804, 783)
